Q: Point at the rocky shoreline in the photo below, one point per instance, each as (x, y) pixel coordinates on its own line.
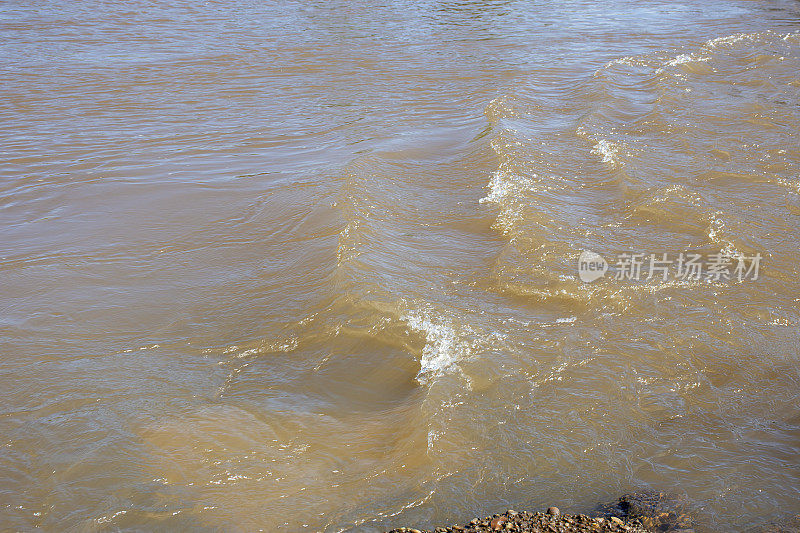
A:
(526, 522)
(633, 513)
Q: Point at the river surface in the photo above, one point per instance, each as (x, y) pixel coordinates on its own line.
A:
(314, 266)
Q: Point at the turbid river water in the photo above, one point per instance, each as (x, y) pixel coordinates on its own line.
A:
(314, 266)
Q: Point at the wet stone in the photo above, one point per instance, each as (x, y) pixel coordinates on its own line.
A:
(550, 521)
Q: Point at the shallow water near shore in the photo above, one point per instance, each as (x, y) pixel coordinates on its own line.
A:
(313, 266)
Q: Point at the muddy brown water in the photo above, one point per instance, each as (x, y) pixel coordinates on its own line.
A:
(313, 266)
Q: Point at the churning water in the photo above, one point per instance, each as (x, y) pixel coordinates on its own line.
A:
(300, 265)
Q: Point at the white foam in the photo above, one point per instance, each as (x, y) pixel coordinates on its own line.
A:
(716, 234)
(506, 184)
(730, 39)
(506, 189)
(793, 186)
(433, 436)
(499, 187)
(627, 60)
(685, 58)
(441, 345)
(607, 149)
(499, 108)
(680, 60)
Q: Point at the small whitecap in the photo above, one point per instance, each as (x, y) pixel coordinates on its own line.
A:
(499, 187)
(441, 344)
(627, 60)
(685, 58)
(730, 39)
(607, 149)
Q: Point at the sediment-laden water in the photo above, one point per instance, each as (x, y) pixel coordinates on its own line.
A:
(291, 266)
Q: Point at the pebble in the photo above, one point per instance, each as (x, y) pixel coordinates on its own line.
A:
(551, 521)
(497, 523)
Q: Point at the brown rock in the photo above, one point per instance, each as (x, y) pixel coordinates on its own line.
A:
(497, 523)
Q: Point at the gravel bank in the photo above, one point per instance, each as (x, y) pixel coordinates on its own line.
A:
(634, 513)
(513, 521)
